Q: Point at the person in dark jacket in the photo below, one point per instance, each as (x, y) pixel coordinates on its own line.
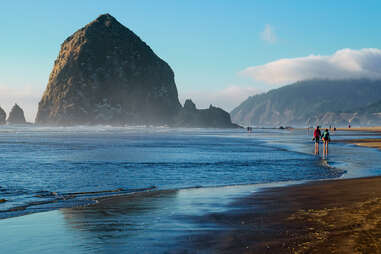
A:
(316, 138)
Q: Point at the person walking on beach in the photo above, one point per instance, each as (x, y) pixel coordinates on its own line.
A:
(326, 138)
(317, 135)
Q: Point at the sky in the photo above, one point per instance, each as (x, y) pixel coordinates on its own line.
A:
(221, 51)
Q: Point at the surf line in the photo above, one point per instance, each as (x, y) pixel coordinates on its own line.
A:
(67, 196)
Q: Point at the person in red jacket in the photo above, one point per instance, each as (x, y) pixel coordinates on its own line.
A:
(317, 135)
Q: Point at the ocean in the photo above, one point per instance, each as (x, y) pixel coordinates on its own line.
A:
(45, 168)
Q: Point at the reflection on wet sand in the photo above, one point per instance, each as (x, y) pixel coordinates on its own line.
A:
(151, 222)
(139, 204)
(125, 222)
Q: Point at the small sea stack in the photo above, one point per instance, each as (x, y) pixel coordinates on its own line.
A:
(212, 117)
(3, 116)
(16, 116)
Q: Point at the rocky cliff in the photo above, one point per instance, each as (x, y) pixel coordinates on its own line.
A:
(16, 116)
(327, 102)
(105, 74)
(213, 117)
(3, 116)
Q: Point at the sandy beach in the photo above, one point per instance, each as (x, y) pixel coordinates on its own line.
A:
(337, 216)
(370, 128)
(366, 142)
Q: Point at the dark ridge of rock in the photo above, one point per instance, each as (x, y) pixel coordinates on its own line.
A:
(189, 105)
(105, 74)
(3, 116)
(213, 117)
(16, 116)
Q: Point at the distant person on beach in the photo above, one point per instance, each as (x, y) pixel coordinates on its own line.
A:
(316, 138)
(326, 138)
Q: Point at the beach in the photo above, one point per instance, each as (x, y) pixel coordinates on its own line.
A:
(335, 216)
(329, 216)
(306, 207)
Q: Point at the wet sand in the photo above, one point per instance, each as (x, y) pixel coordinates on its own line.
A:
(372, 128)
(337, 216)
(366, 142)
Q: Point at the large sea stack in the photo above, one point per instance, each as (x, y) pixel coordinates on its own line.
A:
(3, 116)
(105, 74)
(16, 116)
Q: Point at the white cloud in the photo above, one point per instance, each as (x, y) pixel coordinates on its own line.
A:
(227, 98)
(343, 64)
(268, 34)
(26, 97)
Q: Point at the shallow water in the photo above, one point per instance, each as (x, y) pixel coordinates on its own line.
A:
(46, 168)
(157, 222)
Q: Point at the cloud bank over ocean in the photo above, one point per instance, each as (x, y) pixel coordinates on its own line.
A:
(343, 64)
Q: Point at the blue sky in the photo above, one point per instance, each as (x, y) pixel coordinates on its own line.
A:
(208, 44)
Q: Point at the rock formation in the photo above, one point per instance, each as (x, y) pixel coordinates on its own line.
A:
(16, 116)
(3, 116)
(105, 74)
(213, 117)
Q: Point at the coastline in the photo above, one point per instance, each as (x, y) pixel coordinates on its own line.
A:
(326, 216)
(323, 216)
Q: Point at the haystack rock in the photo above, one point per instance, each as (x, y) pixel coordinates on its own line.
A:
(3, 116)
(16, 116)
(105, 74)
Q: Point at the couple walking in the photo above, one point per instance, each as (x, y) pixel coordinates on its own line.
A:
(325, 137)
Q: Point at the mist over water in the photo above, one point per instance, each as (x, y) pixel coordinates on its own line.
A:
(44, 168)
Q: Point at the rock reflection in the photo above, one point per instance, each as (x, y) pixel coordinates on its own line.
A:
(126, 210)
(152, 222)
